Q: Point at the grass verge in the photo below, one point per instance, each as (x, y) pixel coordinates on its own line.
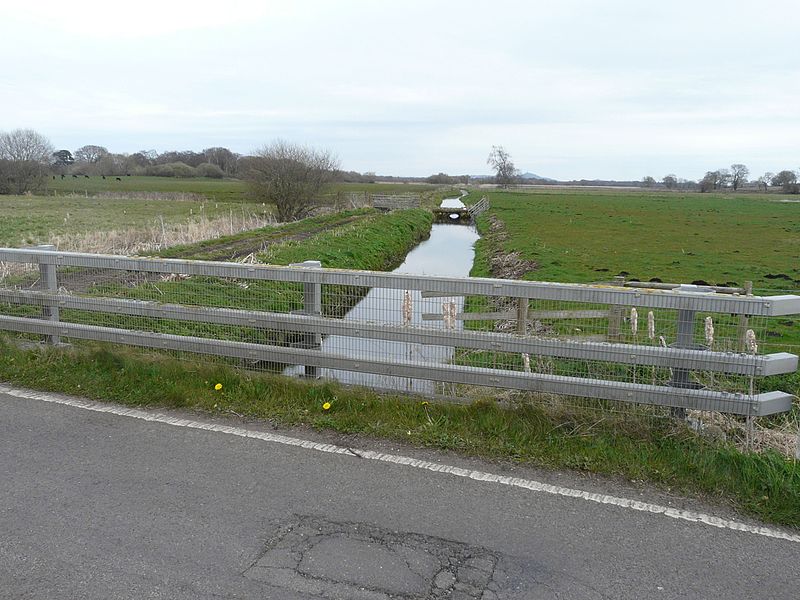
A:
(765, 485)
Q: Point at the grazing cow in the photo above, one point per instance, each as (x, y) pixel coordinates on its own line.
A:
(54, 177)
(104, 176)
(86, 176)
(118, 179)
(127, 174)
(75, 176)
(62, 176)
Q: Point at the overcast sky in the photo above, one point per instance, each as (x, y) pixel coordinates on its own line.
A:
(573, 89)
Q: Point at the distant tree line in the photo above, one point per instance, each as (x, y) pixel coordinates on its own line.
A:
(96, 160)
(28, 159)
(733, 179)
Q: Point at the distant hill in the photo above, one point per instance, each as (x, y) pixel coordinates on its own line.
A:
(529, 175)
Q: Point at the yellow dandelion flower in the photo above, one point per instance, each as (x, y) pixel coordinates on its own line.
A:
(326, 406)
(425, 403)
(218, 387)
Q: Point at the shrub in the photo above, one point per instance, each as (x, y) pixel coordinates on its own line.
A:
(209, 170)
(160, 171)
(173, 169)
(182, 169)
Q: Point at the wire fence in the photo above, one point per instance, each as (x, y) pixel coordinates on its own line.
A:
(687, 351)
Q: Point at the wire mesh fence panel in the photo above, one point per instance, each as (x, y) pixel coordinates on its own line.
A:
(598, 347)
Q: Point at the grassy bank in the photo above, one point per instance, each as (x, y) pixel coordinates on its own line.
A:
(230, 247)
(372, 242)
(378, 242)
(765, 485)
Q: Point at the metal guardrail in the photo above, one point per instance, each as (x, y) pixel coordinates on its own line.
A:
(679, 359)
(480, 207)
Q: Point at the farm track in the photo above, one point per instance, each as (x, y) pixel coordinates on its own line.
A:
(225, 249)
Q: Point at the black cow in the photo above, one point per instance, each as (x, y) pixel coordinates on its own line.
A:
(118, 179)
(104, 176)
(75, 176)
(86, 176)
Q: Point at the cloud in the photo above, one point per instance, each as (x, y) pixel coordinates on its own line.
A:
(143, 19)
(611, 89)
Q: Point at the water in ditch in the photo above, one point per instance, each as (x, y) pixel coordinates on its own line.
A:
(448, 252)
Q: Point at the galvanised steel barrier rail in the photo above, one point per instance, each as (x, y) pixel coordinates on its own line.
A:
(535, 355)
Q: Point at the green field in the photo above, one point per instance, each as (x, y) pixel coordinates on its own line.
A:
(586, 236)
(30, 220)
(218, 189)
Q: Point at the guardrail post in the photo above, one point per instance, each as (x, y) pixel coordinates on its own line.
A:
(615, 314)
(312, 305)
(744, 320)
(522, 316)
(684, 339)
(48, 281)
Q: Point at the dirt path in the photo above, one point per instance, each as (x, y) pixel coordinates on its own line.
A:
(229, 248)
(226, 248)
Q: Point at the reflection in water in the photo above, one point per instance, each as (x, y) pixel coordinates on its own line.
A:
(448, 252)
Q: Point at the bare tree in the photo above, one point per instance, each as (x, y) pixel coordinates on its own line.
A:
(715, 180)
(787, 180)
(739, 174)
(221, 157)
(765, 180)
(90, 153)
(670, 181)
(504, 169)
(648, 181)
(709, 181)
(290, 177)
(24, 159)
(723, 178)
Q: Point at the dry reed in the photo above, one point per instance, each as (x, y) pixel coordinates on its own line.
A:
(148, 239)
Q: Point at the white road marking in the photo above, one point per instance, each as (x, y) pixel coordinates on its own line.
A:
(527, 484)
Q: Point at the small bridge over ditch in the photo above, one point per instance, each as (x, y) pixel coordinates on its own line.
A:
(451, 215)
(459, 215)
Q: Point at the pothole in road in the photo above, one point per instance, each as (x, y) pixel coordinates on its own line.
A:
(364, 562)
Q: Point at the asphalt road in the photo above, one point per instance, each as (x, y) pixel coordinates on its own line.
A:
(97, 505)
